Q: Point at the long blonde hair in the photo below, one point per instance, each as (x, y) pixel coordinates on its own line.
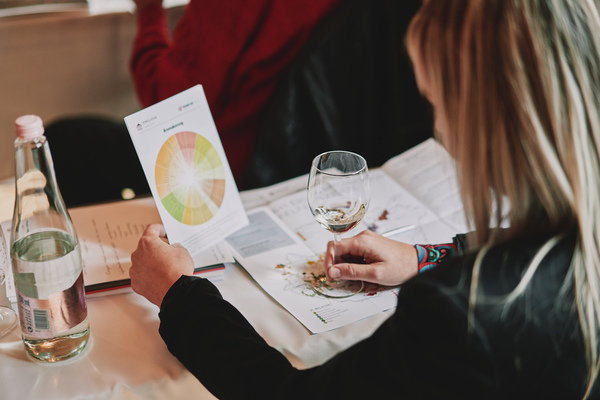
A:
(518, 85)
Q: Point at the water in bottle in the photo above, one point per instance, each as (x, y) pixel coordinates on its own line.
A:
(45, 254)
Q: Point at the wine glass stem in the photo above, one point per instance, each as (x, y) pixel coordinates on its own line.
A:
(337, 248)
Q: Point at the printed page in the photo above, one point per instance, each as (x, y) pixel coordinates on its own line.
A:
(264, 196)
(428, 172)
(182, 156)
(391, 207)
(109, 233)
(281, 264)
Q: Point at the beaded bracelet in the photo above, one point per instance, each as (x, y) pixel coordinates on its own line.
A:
(431, 255)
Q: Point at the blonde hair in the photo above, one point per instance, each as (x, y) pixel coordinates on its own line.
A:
(518, 85)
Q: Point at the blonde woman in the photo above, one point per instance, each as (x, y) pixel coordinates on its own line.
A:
(516, 90)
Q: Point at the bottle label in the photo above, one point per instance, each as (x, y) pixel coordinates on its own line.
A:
(46, 318)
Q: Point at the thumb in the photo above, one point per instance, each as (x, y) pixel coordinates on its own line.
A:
(353, 272)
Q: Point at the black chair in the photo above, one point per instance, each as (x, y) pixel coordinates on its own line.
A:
(351, 87)
(94, 160)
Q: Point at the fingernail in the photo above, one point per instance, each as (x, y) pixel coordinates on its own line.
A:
(335, 273)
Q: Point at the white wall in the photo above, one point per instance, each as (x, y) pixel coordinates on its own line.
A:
(62, 65)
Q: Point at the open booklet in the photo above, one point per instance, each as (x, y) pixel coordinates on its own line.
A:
(108, 234)
(414, 199)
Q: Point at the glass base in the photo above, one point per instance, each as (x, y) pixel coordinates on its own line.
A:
(337, 289)
(311, 273)
(8, 320)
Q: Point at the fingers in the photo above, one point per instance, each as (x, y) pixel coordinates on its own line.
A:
(357, 272)
(378, 260)
(329, 261)
(152, 239)
(352, 250)
(360, 247)
(156, 230)
(150, 236)
(156, 265)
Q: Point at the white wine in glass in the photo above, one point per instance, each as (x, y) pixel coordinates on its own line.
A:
(338, 197)
(8, 317)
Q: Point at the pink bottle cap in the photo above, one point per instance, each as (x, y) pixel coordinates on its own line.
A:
(29, 127)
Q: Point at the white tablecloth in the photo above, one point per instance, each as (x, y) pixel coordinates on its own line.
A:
(127, 359)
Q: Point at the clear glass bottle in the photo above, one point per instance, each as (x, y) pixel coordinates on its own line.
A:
(45, 253)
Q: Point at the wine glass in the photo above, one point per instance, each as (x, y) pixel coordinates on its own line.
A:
(8, 317)
(338, 197)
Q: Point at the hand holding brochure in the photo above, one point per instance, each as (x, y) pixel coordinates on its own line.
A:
(182, 156)
(108, 233)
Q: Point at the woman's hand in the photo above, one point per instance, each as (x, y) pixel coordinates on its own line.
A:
(388, 262)
(156, 265)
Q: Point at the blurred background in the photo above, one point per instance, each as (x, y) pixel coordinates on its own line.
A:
(349, 86)
(65, 64)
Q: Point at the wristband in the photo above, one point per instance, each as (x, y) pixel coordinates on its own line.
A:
(431, 255)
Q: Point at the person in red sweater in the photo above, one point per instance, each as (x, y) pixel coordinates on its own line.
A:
(237, 50)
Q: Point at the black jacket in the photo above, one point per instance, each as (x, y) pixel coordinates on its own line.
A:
(531, 348)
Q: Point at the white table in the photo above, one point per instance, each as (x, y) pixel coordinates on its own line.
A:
(127, 359)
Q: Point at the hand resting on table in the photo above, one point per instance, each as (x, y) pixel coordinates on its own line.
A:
(388, 262)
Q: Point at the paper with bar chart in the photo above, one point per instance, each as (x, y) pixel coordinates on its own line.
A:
(182, 156)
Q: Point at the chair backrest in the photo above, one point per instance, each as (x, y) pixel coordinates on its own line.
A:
(352, 87)
(94, 160)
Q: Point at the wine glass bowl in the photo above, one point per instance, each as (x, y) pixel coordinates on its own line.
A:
(340, 217)
(338, 197)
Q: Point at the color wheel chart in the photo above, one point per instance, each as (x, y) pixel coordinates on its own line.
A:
(190, 178)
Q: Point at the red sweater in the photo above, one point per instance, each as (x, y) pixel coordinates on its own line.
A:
(236, 49)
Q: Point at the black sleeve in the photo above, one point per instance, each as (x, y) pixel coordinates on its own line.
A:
(428, 349)
(408, 352)
(461, 243)
(216, 343)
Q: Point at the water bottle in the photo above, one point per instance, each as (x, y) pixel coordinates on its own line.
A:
(45, 253)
